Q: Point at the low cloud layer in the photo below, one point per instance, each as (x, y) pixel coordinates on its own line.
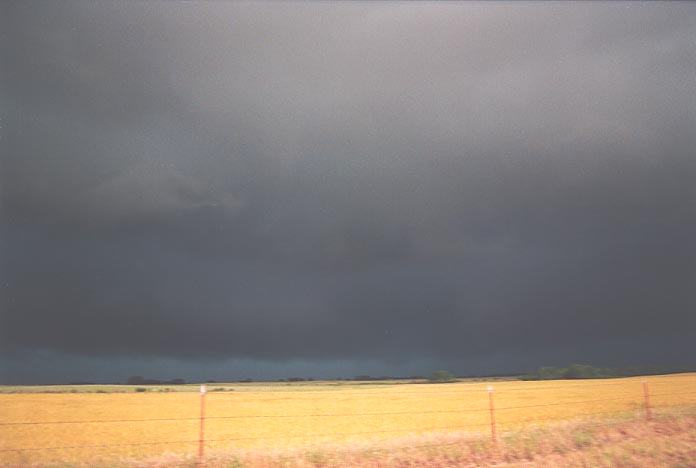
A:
(375, 183)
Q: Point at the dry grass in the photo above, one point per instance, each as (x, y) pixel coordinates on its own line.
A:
(421, 415)
(666, 441)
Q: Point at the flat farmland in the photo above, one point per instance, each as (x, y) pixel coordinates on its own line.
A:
(116, 425)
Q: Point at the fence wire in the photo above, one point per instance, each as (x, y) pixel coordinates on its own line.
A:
(465, 427)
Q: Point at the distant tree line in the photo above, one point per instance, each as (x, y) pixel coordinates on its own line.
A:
(357, 378)
(584, 371)
(140, 380)
(442, 376)
(383, 377)
(574, 371)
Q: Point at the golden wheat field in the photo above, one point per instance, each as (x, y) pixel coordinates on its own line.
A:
(47, 428)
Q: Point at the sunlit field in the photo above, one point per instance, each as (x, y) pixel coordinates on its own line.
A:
(116, 424)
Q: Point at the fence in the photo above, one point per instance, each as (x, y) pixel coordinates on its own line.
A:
(640, 400)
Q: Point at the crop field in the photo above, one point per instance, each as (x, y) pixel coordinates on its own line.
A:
(118, 425)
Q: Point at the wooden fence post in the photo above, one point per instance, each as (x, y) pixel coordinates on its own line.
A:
(646, 398)
(491, 408)
(201, 432)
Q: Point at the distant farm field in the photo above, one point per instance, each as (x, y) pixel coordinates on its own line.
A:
(92, 428)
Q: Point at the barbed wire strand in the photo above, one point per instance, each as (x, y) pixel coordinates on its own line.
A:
(318, 436)
(312, 415)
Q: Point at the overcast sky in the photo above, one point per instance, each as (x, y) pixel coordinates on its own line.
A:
(229, 190)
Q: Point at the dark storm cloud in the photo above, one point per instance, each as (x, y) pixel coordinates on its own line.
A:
(385, 182)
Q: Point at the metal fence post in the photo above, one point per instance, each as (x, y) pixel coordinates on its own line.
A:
(646, 398)
(201, 432)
